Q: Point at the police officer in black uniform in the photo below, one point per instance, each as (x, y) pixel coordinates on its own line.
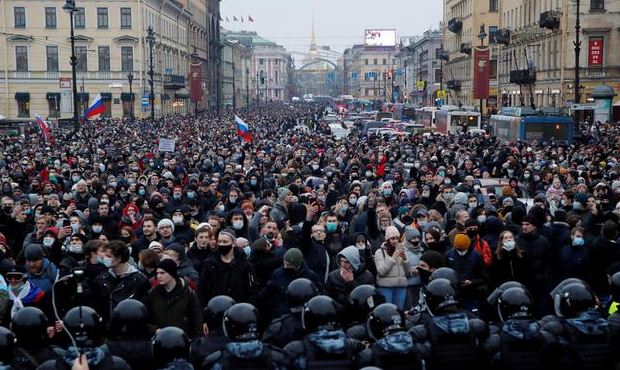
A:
(455, 335)
(86, 327)
(7, 347)
(516, 343)
(215, 340)
(394, 347)
(362, 300)
(288, 328)
(129, 337)
(578, 323)
(32, 348)
(245, 351)
(171, 349)
(325, 346)
(420, 313)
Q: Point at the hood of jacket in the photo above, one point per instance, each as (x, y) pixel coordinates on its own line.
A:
(330, 341)
(590, 323)
(455, 323)
(246, 350)
(400, 342)
(352, 254)
(521, 329)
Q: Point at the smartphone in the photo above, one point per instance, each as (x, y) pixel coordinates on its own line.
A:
(66, 222)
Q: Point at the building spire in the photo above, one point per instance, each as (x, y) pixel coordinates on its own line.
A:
(313, 38)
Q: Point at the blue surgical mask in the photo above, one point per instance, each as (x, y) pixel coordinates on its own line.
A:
(141, 192)
(253, 182)
(191, 195)
(387, 192)
(578, 241)
(247, 250)
(576, 205)
(331, 227)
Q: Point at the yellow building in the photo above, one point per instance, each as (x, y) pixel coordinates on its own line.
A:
(369, 71)
(462, 21)
(35, 50)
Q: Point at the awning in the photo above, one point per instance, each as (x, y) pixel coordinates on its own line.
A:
(127, 96)
(82, 96)
(106, 96)
(22, 96)
(52, 96)
(181, 95)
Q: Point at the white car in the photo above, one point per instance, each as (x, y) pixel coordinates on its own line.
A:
(338, 131)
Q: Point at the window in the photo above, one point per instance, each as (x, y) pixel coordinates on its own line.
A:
(493, 34)
(82, 61)
(384, 61)
(50, 17)
(21, 58)
(437, 75)
(125, 17)
(366, 61)
(261, 61)
(275, 61)
(79, 18)
(19, 13)
(597, 4)
(127, 58)
(23, 107)
(276, 76)
(493, 69)
(53, 104)
(493, 5)
(104, 58)
(102, 17)
(52, 58)
(375, 62)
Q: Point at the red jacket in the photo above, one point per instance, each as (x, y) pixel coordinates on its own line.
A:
(483, 248)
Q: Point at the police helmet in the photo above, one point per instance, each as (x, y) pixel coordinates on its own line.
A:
(30, 326)
(129, 318)
(214, 312)
(170, 343)
(298, 292)
(319, 312)
(446, 273)
(240, 322)
(84, 321)
(7, 345)
(385, 319)
(494, 296)
(572, 299)
(364, 298)
(515, 303)
(615, 287)
(439, 294)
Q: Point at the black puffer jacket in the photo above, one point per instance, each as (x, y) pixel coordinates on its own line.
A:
(110, 289)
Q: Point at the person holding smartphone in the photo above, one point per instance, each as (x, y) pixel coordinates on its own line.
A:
(393, 268)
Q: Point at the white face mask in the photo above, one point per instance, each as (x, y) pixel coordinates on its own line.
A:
(48, 242)
(237, 225)
(177, 220)
(481, 219)
(97, 229)
(462, 252)
(74, 248)
(509, 245)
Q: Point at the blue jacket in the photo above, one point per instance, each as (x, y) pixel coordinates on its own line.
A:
(46, 277)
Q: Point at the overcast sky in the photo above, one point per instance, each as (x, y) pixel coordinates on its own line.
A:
(338, 23)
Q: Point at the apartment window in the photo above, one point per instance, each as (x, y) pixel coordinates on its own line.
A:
(276, 77)
(79, 18)
(261, 61)
(125, 17)
(127, 58)
(82, 60)
(437, 75)
(102, 17)
(19, 13)
(493, 5)
(375, 61)
(597, 4)
(366, 61)
(52, 58)
(104, 58)
(275, 61)
(23, 106)
(50, 17)
(21, 58)
(493, 34)
(384, 61)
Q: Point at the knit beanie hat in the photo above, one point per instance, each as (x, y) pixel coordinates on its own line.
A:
(282, 193)
(411, 232)
(294, 257)
(461, 241)
(169, 266)
(391, 232)
(165, 222)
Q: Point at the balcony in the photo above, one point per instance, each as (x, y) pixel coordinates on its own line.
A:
(503, 36)
(443, 55)
(550, 20)
(454, 85)
(455, 25)
(466, 48)
(174, 82)
(523, 77)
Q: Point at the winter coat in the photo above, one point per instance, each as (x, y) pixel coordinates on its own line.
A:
(265, 263)
(46, 277)
(110, 289)
(391, 271)
(316, 255)
(337, 287)
(234, 279)
(179, 308)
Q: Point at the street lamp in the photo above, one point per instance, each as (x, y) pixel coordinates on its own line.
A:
(194, 56)
(70, 8)
(247, 87)
(481, 36)
(130, 79)
(150, 38)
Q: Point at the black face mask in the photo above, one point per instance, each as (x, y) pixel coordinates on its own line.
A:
(224, 249)
(425, 275)
(472, 233)
(432, 245)
(7, 209)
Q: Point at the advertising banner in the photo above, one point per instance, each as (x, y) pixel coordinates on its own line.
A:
(481, 73)
(195, 82)
(595, 52)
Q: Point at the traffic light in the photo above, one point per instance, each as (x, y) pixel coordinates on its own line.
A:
(389, 74)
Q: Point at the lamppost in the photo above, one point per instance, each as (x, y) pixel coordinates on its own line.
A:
(194, 56)
(257, 89)
(577, 44)
(234, 88)
(247, 87)
(130, 79)
(481, 36)
(150, 38)
(70, 8)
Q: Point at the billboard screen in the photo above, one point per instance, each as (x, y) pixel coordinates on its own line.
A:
(380, 38)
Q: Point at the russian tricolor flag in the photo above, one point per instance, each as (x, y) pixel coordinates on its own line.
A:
(243, 130)
(45, 129)
(96, 108)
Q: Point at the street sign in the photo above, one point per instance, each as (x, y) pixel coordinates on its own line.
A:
(64, 82)
(442, 94)
(145, 101)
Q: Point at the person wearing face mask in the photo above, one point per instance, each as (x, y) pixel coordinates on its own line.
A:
(22, 292)
(264, 260)
(426, 198)
(509, 262)
(40, 270)
(472, 229)
(74, 254)
(393, 268)
(181, 218)
(469, 266)
(131, 217)
(574, 258)
(238, 222)
(228, 272)
(176, 202)
(352, 273)
(413, 246)
(232, 200)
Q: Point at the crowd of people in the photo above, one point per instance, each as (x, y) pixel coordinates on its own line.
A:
(297, 250)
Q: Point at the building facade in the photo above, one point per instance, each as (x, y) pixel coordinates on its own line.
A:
(214, 56)
(462, 21)
(368, 71)
(537, 56)
(110, 44)
(237, 87)
(419, 75)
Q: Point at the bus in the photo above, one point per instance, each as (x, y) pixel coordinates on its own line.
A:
(451, 120)
(426, 117)
(408, 114)
(527, 124)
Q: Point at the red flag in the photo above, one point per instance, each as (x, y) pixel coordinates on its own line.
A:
(481, 73)
(250, 19)
(235, 19)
